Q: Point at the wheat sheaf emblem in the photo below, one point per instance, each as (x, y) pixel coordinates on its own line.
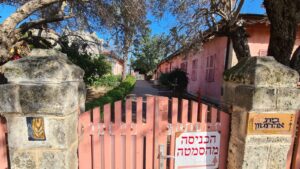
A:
(38, 128)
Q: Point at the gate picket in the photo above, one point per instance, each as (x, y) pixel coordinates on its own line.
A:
(97, 156)
(84, 148)
(3, 146)
(184, 113)
(107, 137)
(149, 135)
(102, 145)
(174, 122)
(194, 113)
(161, 122)
(128, 133)
(139, 135)
(117, 134)
(225, 125)
(203, 113)
(214, 114)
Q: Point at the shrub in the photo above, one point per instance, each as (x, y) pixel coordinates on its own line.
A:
(94, 66)
(176, 79)
(107, 80)
(118, 93)
(164, 79)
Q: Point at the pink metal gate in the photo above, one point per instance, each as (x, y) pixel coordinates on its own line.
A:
(133, 138)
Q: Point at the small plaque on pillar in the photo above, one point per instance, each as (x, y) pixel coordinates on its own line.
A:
(36, 128)
(270, 123)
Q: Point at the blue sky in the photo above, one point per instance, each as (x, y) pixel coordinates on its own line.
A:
(157, 26)
(167, 22)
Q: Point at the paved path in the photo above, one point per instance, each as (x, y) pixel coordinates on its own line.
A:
(143, 87)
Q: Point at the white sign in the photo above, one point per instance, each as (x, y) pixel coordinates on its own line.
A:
(197, 150)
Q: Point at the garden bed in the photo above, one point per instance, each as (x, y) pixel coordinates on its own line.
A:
(115, 94)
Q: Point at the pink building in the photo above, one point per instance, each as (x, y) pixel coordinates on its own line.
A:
(116, 62)
(205, 67)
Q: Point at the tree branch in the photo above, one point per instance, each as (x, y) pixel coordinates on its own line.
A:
(23, 12)
(238, 10)
(26, 26)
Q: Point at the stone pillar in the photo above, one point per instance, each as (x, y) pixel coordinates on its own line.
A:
(41, 102)
(264, 98)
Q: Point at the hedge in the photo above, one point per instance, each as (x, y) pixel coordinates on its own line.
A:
(118, 93)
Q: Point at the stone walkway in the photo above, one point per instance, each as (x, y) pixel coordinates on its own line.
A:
(143, 87)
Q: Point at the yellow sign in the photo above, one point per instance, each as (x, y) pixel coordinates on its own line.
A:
(270, 123)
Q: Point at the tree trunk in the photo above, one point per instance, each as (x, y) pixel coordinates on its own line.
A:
(125, 57)
(127, 43)
(239, 39)
(283, 28)
(295, 61)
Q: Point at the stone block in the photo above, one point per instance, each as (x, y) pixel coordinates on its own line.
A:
(47, 66)
(23, 159)
(278, 156)
(9, 99)
(268, 139)
(255, 98)
(262, 71)
(235, 153)
(256, 157)
(228, 93)
(82, 96)
(64, 131)
(60, 132)
(239, 119)
(53, 159)
(60, 159)
(72, 157)
(56, 99)
(288, 99)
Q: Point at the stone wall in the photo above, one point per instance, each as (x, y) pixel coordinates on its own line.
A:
(41, 102)
(263, 95)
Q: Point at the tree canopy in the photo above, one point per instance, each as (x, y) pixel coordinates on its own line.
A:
(148, 52)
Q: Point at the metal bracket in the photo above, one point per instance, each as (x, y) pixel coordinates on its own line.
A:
(133, 128)
(170, 129)
(110, 129)
(91, 128)
(101, 128)
(162, 157)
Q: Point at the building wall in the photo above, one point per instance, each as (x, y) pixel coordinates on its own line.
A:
(117, 68)
(209, 88)
(217, 47)
(259, 40)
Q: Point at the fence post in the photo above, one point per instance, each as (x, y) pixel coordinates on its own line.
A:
(41, 103)
(264, 98)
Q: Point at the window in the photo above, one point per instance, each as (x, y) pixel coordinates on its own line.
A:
(183, 66)
(210, 68)
(194, 69)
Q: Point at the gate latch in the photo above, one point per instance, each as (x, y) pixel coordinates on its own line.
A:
(162, 157)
